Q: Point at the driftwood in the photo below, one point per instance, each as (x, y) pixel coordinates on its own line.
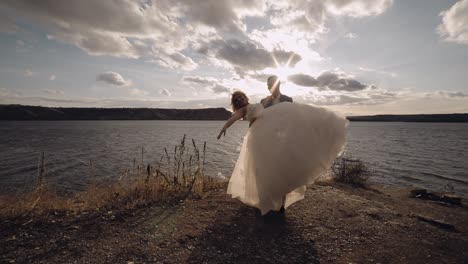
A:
(444, 198)
(436, 223)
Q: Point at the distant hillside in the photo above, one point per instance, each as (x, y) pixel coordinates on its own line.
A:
(21, 112)
(448, 118)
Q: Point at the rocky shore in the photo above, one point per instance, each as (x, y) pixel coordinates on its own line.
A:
(334, 224)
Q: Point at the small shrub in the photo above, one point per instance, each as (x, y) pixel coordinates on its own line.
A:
(350, 171)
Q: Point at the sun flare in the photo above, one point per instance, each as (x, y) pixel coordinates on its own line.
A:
(282, 72)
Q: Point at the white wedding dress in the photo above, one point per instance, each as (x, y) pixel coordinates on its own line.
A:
(287, 147)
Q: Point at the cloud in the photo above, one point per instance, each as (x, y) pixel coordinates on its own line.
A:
(165, 92)
(135, 17)
(7, 25)
(250, 56)
(339, 82)
(86, 23)
(288, 58)
(23, 46)
(138, 92)
(175, 60)
(452, 94)
(218, 88)
(335, 81)
(167, 32)
(98, 43)
(207, 82)
(358, 8)
(303, 15)
(454, 27)
(54, 92)
(259, 76)
(10, 93)
(350, 35)
(29, 73)
(338, 100)
(333, 98)
(124, 28)
(112, 78)
(52, 77)
(115, 79)
(160, 30)
(199, 80)
(303, 80)
(223, 15)
(392, 74)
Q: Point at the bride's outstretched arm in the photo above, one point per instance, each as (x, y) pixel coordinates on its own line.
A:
(236, 116)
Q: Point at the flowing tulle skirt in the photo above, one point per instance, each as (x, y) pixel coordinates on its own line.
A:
(287, 147)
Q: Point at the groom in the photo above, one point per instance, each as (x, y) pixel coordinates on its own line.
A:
(276, 97)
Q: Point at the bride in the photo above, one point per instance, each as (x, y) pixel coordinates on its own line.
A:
(286, 147)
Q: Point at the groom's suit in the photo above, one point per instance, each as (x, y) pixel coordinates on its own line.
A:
(268, 101)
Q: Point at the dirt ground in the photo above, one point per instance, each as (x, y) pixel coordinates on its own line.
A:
(333, 224)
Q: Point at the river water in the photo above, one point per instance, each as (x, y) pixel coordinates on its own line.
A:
(430, 155)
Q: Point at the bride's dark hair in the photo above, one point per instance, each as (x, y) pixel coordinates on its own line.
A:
(239, 100)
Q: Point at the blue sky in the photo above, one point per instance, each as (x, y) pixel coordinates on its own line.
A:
(353, 56)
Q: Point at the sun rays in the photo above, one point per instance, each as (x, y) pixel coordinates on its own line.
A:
(282, 70)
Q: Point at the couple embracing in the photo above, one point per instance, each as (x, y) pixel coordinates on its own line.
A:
(287, 146)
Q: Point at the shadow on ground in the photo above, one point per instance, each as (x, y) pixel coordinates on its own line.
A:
(251, 238)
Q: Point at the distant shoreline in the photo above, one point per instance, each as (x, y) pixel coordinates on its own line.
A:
(40, 113)
(31, 113)
(422, 118)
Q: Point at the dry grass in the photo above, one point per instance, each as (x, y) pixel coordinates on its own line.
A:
(350, 171)
(174, 177)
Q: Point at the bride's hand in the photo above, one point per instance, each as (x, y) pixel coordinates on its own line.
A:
(223, 131)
